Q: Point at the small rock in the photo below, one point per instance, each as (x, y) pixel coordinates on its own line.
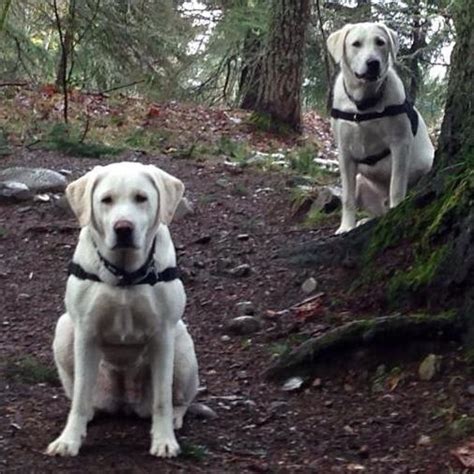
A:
(470, 389)
(12, 191)
(293, 383)
(245, 308)
(364, 451)
(309, 286)
(429, 367)
(243, 325)
(348, 430)
(225, 338)
(424, 440)
(328, 403)
(202, 411)
(317, 383)
(204, 239)
(243, 270)
(184, 208)
(243, 237)
(42, 198)
(222, 183)
(327, 200)
(278, 406)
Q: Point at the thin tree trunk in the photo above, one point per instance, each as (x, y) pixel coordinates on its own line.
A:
(250, 76)
(279, 92)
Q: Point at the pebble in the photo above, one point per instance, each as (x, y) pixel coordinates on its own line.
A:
(245, 308)
(243, 325)
(293, 383)
(424, 440)
(429, 367)
(309, 286)
(225, 338)
(243, 237)
(243, 270)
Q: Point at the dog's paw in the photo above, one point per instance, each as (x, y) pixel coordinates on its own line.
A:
(63, 447)
(165, 447)
(343, 229)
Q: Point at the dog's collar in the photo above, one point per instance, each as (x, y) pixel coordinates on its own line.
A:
(390, 111)
(369, 102)
(145, 275)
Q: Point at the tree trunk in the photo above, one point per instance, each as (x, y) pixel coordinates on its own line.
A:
(418, 42)
(67, 46)
(279, 91)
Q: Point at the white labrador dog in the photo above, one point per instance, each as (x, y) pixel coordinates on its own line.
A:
(383, 142)
(122, 344)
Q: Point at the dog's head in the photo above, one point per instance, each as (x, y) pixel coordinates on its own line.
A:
(365, 50)
(125, 202)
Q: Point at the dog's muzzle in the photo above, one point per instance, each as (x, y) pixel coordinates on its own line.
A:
(123, 230)
(372, 73)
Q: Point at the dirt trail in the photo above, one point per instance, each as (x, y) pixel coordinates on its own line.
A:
(339, 423)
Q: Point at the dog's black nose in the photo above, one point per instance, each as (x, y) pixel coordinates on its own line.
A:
(373, 66)
(124, 232)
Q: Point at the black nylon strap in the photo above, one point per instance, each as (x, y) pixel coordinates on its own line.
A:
(152, 278)
(390, 111)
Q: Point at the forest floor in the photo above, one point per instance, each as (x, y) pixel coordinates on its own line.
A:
(356, 416)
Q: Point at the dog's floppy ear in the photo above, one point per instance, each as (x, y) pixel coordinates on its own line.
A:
(335, 42)
(79, 195)
(393, 42)
(170, 190)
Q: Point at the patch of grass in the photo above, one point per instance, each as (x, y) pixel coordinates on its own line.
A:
(233, 149)
(460, 428)
(195, 452)
(316, 217)
(240, 189)
(68, 141)
(30, 370)
(4, 145)
(301, 160)
(147, 139)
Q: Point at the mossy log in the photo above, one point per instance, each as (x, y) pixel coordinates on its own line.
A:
(382, 330)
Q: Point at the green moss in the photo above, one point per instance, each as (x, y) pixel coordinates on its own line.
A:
(268, 123)
(424, 223)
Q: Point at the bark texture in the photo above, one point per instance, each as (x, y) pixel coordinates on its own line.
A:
(279, 91)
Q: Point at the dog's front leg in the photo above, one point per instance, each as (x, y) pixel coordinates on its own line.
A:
(399, 173)
(86, 363)
(348, 178)
(163, 440)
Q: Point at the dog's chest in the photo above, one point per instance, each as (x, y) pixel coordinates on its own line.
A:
(363, 139)
(121, 320)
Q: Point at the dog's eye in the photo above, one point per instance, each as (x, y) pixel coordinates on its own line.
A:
(106, 200)
(379, 42)
(140, 198)
(357, 44)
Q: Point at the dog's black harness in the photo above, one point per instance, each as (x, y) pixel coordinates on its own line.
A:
(390, 111)
(145, 275)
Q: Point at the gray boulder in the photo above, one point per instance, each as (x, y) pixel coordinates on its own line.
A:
(38, 180)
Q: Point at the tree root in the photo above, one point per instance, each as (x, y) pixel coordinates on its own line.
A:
(383, 330)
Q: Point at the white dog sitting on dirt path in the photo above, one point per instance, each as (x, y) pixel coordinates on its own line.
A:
(122, 344)
(383, 142)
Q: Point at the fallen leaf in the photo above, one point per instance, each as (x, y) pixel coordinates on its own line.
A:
(465, 454)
